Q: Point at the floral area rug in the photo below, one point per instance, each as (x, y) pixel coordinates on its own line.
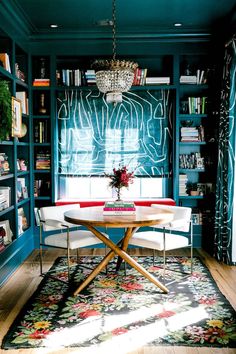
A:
(125, 311)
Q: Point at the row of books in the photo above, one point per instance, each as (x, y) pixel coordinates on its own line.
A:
(43, 161)
(193, 160)
(188, 134)
(119, 208)
(197, 105)
(41, 131)
(41, 188)
(75, 77)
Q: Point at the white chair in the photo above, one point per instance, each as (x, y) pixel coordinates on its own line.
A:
(65, 235)
(170, 236)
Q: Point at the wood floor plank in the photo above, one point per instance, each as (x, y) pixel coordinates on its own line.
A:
(22, 284)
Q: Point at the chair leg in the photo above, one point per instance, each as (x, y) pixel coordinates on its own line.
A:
(77, 255)
(164, 251)
(153, 257)
(40, 250)
(68, 255)
(191, 240)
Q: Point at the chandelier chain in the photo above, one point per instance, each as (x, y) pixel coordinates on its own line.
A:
(114, 27)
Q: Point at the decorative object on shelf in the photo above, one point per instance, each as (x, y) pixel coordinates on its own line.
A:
(23, 130)
(42, 108)
(5, 110)
(4, 164)
(16, 117)
(192, 189)
(22, 164)
(186, 123)
(119, 179)
(114, 76)
(19, 74)
(7, 230)
(42, 68)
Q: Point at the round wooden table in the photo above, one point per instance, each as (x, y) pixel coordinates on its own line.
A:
(93, 217)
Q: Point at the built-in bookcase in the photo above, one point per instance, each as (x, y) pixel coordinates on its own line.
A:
(15, 176)
(41, 130)
(195, 142)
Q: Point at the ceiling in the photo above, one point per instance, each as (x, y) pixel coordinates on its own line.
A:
(134, 17)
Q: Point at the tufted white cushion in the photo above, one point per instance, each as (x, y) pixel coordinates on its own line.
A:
(155, 240)
(77, 239)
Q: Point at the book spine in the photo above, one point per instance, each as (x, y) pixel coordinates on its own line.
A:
(119, 209)
(117, 212)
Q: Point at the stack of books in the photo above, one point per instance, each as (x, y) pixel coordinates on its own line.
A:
(158, 80)
(90, 77)
(183, 180)
(189, 134)
(188, 79)
(43, 161)
(41, 82)
(119, 208)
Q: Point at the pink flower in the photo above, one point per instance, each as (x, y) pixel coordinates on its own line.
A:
(118, 331)
(109, 300)
(166, 314)
(120, 177)
(132, 286)
(89, 313)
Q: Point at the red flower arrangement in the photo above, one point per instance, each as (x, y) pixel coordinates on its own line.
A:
(121, 177)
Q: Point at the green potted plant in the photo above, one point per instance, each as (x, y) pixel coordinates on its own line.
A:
(5, 110)
(192, 189)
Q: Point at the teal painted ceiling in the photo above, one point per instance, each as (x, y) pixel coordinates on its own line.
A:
(134, 17)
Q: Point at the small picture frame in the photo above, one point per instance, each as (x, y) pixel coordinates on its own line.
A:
(201, 188)
(25, 192)
(16, 117)
(8, 233)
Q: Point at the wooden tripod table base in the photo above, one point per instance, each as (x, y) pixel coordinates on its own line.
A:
(93, 217)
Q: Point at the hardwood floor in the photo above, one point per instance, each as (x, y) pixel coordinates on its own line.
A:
(15, 293)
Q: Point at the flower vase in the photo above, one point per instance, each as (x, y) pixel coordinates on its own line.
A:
(118, 193)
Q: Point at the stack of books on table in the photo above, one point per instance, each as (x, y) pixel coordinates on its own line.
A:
(119, 208)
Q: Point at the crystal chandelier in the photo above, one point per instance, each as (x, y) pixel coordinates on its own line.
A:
(114, 76)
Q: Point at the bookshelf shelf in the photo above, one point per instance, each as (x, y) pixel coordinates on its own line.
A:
(192, 116)
(188, 197)
(7, 210)
(42, 171)
(192, 143)
(196, 170)
(6, 176)
(23, 202)
(45, 198)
